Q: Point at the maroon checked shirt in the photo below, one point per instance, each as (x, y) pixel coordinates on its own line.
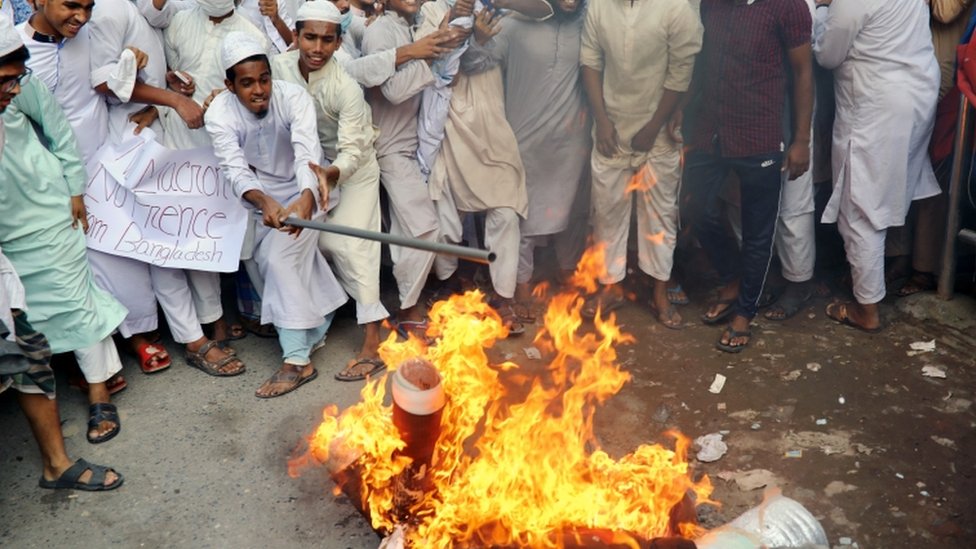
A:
(741, 73)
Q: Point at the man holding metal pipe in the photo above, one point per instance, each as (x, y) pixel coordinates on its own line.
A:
(266, 138)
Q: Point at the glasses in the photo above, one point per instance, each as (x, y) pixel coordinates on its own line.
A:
(9, 83)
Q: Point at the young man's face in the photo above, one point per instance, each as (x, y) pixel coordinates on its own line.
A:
(404, 8)
(252, 86)
(65, 17)
(9, 88)
(343, 5)
(567, 6)
(317, 41)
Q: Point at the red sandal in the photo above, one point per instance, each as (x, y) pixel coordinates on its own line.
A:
(114, 384)
(149, 353)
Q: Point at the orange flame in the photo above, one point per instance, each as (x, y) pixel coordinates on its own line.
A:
(507, 474)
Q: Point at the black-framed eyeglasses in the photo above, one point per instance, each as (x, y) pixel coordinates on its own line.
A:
(8, 83)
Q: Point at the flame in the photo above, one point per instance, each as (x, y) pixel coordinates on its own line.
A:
(528, 473)
(643, 180)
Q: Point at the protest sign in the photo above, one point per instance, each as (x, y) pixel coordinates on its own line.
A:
(165, 207)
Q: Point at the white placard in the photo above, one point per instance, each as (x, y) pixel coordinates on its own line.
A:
(165, 207)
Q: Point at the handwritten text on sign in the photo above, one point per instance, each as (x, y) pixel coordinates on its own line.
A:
(165, 207)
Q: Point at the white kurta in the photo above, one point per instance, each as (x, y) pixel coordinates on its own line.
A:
(252, 12)
(65, 70)
(271, 154)
(886, 83)
(192, 43)
(346, 132)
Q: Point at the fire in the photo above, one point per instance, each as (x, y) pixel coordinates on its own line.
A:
(525, 474)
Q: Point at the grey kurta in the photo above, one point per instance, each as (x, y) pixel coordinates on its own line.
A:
(546, 110)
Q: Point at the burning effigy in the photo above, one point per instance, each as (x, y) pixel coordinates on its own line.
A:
(457, 460)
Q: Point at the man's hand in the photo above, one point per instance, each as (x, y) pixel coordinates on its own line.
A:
(328, 178)
(144, 118)
(607, 140)
(190, 112)
(141, 57)
(79, 215)
(462, 8)
(303, 208)
(177, 84)
(429, 47)
(210, 98)
(269, 8)
(674, 127)
(644, 139)
(487, 24)
(272, 213)
(797, 159)
(457, 35)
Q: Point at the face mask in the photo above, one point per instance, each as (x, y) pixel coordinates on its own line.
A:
(216, 8)
(346, 21)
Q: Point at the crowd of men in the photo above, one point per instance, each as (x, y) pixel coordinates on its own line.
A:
(522, 124)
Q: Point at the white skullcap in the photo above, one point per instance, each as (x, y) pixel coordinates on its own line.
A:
(9, 37)
(238, 46)
(319, 10)
(216, 8)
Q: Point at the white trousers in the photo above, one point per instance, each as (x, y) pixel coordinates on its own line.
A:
(356, 261)
(569, 246)
(172, 287)
(128, 281)
(100, 361)
(205, 289)
(652, 188)
(865, 247)
(412, 214)
(502, 235)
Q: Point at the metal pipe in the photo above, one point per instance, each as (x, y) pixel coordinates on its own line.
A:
(464, 252)
(968, 236)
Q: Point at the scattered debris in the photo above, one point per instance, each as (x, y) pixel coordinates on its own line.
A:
(720, 406)
(813, 366)
(717, 384)
(661, 414)
(933, 371)
(921, 347)
(845, 541)
(900, 476)
(792, 376)
(755, 426)
(838, 487)
(821, 421)
(711, 447)
(793, 454)
(749, 480)
(532, 353)
(942, 441)
(841, 400)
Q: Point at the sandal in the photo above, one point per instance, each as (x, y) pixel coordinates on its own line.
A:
(288, 376)
(677, 295)
(377, 366)
(199, 361)
(729, 347)
(838, 312)
(723, 315)
(99, 412)
(235, 331)
(790, 303)
(69, 479)
(919, 282)
(668, 318)
(510, 319)
(114, 384)
(258, 329)
(525, 313)
(404, 328)
(152, 358)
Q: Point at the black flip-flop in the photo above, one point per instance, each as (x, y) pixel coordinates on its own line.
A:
(669, 314)
(69, 479)
(721, 316)
(377, 366)
(728, 347)
(99, 412)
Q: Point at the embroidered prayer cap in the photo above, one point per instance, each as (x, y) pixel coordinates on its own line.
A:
(319, 10)
(238, 46)
(9, 37)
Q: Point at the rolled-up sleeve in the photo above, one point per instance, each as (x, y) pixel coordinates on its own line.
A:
(219, 121)
(591, 52)
(684, 43)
